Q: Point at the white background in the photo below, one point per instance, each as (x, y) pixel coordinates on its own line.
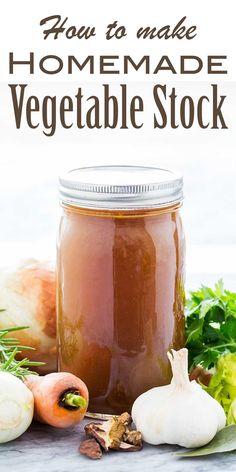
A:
(30, 161)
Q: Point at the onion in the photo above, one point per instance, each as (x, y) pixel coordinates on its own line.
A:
(16, 407)
(27, 295)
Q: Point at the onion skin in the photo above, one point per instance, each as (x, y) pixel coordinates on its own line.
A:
(201, 375)
(48, 390)
(28, 295)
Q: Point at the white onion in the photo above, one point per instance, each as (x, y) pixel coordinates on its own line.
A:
(16, 407)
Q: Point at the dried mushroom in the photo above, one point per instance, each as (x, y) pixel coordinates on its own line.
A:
(133, 437)
(91, 449)
(126, 447)
(109, 433)
(126, 419)
(115, 434)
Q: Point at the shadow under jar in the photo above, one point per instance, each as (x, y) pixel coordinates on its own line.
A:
(120, 280)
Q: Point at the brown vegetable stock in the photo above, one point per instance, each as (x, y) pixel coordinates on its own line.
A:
(120, 300)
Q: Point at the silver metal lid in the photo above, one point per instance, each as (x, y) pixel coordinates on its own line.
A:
(119, 187)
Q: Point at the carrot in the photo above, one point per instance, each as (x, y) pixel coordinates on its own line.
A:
(60, 398)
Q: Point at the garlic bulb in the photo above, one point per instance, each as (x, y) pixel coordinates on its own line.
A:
(16, 407)
(179, 413)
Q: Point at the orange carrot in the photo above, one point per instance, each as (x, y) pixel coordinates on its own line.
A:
(60, 399)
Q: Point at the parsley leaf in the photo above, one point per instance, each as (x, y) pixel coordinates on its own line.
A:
(210, 325)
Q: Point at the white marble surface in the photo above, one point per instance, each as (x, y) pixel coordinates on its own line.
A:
(45, 449)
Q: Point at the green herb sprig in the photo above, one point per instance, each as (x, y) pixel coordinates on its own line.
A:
(210, 325)
(9, 349)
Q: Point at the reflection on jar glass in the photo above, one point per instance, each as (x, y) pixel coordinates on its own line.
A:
(120, 281)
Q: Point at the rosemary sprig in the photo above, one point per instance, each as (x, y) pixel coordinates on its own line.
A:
(9, 350)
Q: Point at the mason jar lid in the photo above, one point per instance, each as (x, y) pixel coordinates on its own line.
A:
(119, 187)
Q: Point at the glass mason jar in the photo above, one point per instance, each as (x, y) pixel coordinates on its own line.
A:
(120, 280)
